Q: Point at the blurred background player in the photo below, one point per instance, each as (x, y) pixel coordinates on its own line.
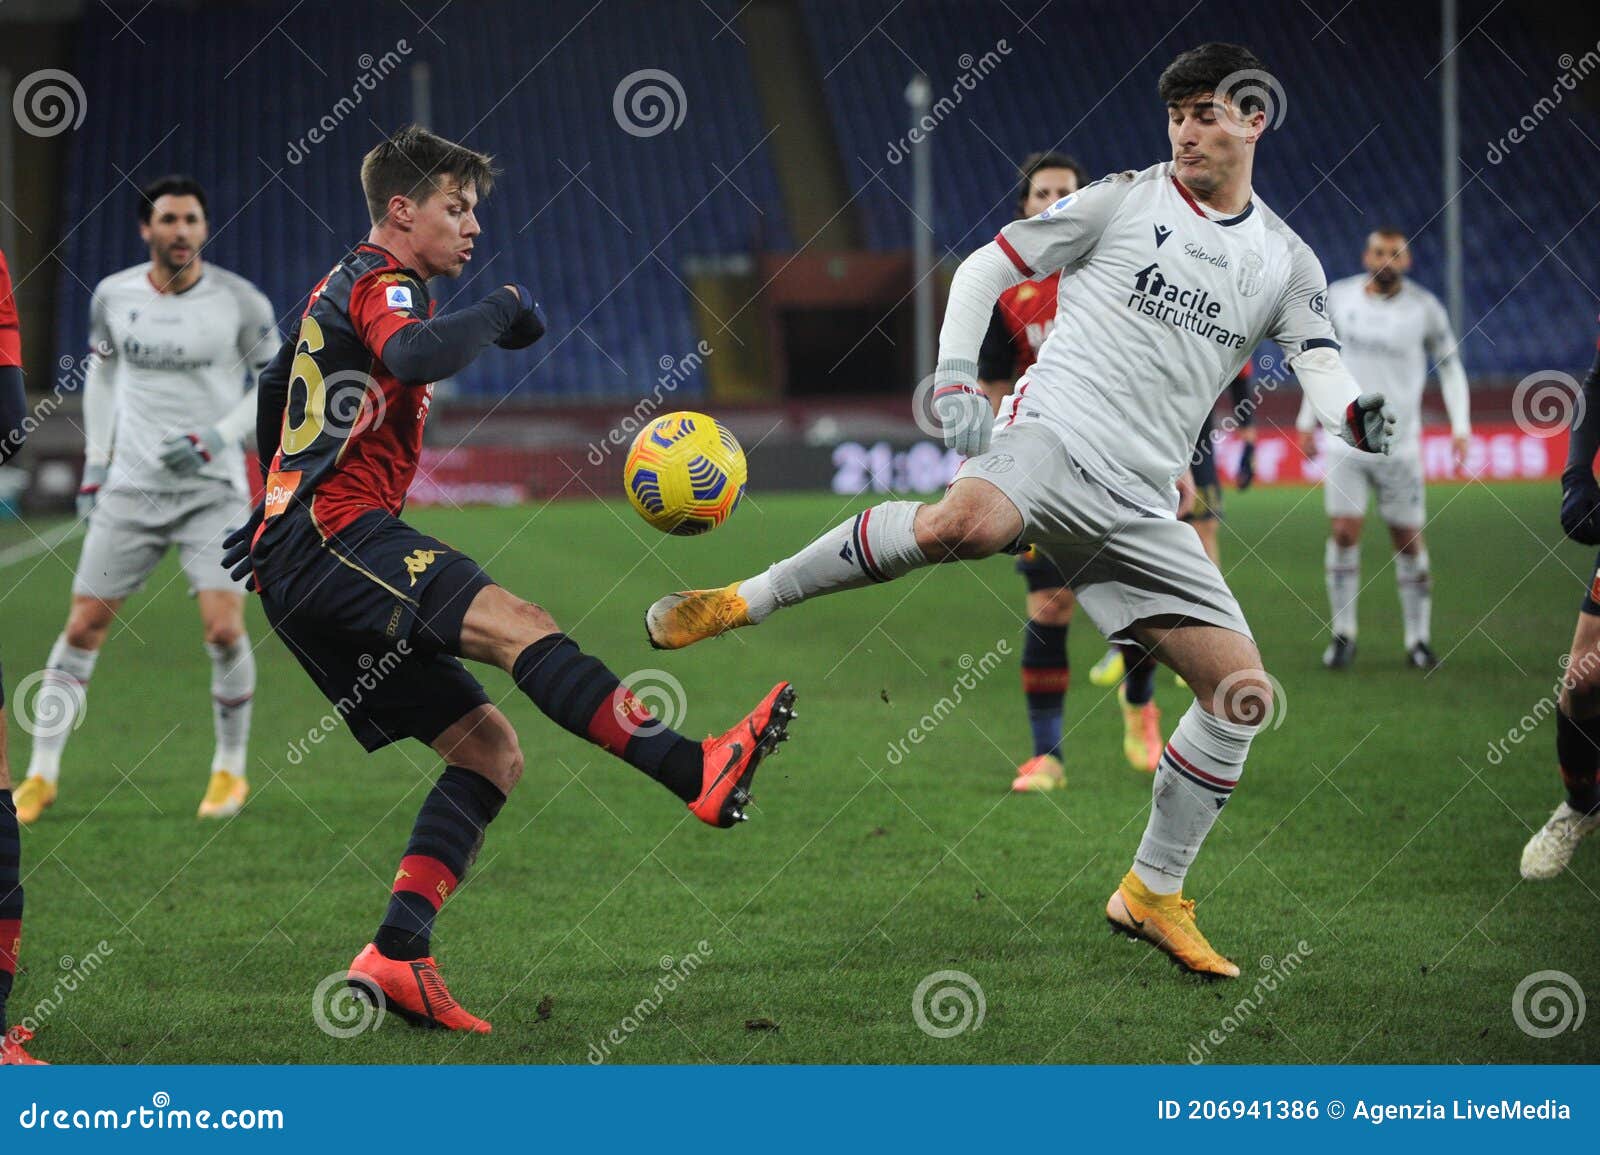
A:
(1390, 328)
(13, 411)
(1578, 709)
(1022, 319)
(169, 394)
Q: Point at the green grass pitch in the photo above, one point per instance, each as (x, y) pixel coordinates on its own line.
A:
(1371, 851)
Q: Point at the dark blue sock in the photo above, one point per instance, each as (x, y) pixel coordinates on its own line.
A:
(1045, 676)
(1139, 683)
(1578, 752)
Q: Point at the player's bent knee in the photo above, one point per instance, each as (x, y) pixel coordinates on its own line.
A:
(1051, 607)
(1244, 698)
(88, 622)
(962, 531)
(484, 742)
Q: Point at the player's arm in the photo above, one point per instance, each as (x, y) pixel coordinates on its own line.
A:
(1062, 235)
(271, 398)
(13, 398)
(997, 360)
(99, 406)
(257, 341)
(1302, 327)
(1441, 346)
(1580, 494)
(420, 350)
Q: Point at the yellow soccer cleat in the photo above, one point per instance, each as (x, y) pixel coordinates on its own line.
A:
(1141, 736)
(682, 619)
(32, 798)
(1167, 922)
(225, 796)
(1039, 774)
(1108, 671)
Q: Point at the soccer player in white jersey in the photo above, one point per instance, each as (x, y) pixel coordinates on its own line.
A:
(175, 346)
(1390, 329)
(1170, 277)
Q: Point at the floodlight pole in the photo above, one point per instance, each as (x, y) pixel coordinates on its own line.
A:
(919, 95)
(1450, 118)
(421, 94)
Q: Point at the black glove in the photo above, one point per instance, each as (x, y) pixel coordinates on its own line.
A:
(1247, 466)
(1580, 510)
(529, 325)
(236, 551)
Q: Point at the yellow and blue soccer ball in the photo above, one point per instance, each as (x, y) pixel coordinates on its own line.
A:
(685, 473)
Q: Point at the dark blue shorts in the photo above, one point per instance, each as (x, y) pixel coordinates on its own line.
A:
(1207, 485)
(1591, 599)
(1039, 571)
(374, 615)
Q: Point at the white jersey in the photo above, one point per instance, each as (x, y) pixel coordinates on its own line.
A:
(1161, 303)
(1388, 344)
(178, 363)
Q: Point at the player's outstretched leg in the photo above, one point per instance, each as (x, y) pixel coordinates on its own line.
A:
(1046, 674)
(579, 693)
(1141, 717)
(12, 1050)
(1578, 752)
(233, 687)
(59, 703)
(1199, 769)
(973, 520)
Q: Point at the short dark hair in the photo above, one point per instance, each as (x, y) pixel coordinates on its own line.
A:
(173, 185)
(1385, 229)
(1204, 69)
(1036, 161)
(413, 158)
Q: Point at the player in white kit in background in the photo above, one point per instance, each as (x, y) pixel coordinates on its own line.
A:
(175, 347)
(1391, 329)
(1170, 277)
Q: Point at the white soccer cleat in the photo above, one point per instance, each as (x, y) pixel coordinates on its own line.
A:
(1551, 847)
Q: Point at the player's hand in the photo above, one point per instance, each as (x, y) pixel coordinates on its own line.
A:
(1369, 424)
(1458, 451)
(1246, 475)
(94, 476)
(1307, 440)
(236, 550)
(529, 325)
(1580, 511)
(187, 453)
(965, 416)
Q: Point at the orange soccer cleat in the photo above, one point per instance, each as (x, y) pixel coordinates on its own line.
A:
(413, 990)
(1166, 921)
(12, 1053)
(1038, 774)
(731, 760)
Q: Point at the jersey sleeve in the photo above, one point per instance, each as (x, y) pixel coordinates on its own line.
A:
(1438, 338)
(100, 343)
(1302, 322)
(258, 330)
(384, 302)
(10, 330)
(997, 356)
(1066, 232)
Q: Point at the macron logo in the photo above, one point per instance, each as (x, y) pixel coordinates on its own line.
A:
(1162, 233)
(397, 297)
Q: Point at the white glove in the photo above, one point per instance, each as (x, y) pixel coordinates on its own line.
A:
(1369, 424)
(965, 415)
(94, 476)
(186, 453)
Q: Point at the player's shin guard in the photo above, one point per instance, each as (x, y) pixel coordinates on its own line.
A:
(10, 899)
(1139, 683)
(876, 545)
(1578, 749)
(1342, 569)
(444, 842)
(1198, 771)
(1045, 677)
(579, 694)
(61, 699)
(1415, 581)
(233, 686)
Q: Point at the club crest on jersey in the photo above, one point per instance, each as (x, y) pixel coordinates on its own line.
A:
(1162, 233)
(397, 296)
(1252, 273)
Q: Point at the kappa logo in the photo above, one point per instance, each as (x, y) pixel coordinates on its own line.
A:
(1162, 233)
(848, 555)
(419, 560)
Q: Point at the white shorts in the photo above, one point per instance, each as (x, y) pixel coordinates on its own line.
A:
(1399, 481)
(130, 532)
(1124, 565)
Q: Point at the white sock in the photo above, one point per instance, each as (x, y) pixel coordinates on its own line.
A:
(1198, 771)
(1342, 566)
(233, 685)
(876, 545)
(1415, 580)
(57, 708)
